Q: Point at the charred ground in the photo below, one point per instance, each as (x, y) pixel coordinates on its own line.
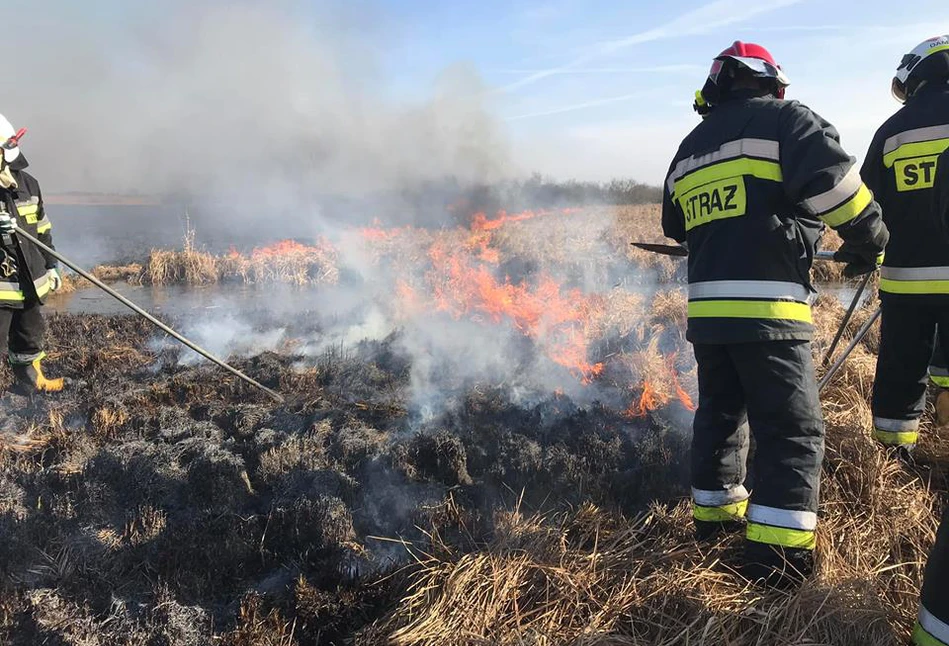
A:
(154, 503)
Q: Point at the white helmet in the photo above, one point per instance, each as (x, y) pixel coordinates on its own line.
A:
(6, 132)
(913, 71)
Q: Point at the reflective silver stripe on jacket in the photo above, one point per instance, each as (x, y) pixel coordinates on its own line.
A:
(915, 136)
(896, 425)
(843, 191)
(938, 371)
(705, 498)
(914, 273)
(933, 625)
(760, 289)
(803, 520)
(761, 148)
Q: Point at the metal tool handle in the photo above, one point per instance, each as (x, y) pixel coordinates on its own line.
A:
(862, 332)
(148, 317)
(843, 323)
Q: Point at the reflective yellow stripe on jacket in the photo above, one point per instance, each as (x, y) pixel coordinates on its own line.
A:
(757, 299)
(913, 154)
(29, 210)
(712, 187)
(10, 292)
(844, 202)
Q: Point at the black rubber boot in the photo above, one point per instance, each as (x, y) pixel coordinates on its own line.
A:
(776, 567)
(707, 532)
(903, 454)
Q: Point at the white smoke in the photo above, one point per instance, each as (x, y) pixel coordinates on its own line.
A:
(270, 101)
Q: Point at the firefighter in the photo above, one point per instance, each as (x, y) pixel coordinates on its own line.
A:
(27, 275)
(932, 625)
(914, 280)
(749, 193)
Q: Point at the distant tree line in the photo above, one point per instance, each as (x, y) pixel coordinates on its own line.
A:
(544, 192)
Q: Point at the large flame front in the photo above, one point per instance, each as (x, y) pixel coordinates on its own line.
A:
(463, 281)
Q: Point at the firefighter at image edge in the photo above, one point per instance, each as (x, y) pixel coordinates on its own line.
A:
(27, 275)
(914, 280)
(749, 193)
(932, 625)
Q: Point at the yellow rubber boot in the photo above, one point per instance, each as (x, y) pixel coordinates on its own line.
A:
(31, 375)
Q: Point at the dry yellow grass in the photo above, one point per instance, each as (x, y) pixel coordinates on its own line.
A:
(285, 262)
(592, 576)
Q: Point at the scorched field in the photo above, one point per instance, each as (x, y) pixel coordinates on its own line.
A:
(484, 441)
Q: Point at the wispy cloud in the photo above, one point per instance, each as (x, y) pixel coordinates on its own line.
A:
(582, 106)
(704, 19)
(655, 69)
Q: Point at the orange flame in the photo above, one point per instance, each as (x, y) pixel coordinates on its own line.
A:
(289, 248)
(480, 221)
(463, 284)
(376, 233)
(650, 400)
(542, 312)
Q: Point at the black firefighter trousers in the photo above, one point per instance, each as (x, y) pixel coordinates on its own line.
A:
(772, 386)
(22, 332)
(932, 628)
(907, 340)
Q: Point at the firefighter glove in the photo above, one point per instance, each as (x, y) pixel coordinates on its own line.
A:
(860, 259)
(55, 280)
(7, 223)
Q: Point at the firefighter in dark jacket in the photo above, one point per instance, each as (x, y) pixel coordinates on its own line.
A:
(27, 275)
(914, 280)
(932, 625)
(748, 194)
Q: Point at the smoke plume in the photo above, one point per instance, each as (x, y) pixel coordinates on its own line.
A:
(269, 101)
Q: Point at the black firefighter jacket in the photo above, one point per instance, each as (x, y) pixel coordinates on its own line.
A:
(750, 191)
(28, 282)
(900, 169)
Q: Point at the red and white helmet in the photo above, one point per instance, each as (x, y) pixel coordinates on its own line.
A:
(749, 56)
(921, 65)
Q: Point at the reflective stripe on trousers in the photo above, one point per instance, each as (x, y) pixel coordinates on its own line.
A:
(895, 432)
(782, 527)
(914, 280)
(719, 506)
(22, 359)
(929, 630)
(939, 376)
(761, 299)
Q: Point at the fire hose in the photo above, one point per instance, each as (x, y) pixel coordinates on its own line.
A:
(148, 317)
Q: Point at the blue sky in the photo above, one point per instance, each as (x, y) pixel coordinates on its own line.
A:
(596, 89)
